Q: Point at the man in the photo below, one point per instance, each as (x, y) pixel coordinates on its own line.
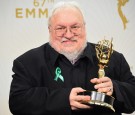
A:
(47, 80)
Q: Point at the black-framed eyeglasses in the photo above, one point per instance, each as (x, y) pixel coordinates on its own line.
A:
(74, 29)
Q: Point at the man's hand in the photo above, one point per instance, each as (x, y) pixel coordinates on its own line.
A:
(103, 84)
(75, 100)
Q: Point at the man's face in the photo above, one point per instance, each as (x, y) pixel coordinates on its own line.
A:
(67, 30)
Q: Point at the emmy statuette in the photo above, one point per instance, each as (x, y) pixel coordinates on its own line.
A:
(100, 100)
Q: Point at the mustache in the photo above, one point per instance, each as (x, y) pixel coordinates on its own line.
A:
(67, 39)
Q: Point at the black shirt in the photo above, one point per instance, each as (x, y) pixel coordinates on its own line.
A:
(75, 75)
(36, 90)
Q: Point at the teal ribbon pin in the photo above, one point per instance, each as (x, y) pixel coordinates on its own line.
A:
(58, 74)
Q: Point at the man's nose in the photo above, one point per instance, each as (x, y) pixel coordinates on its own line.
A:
(69, 33)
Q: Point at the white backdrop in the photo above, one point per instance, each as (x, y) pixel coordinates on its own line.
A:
(21, 30)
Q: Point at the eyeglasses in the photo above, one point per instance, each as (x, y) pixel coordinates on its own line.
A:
(75, 29)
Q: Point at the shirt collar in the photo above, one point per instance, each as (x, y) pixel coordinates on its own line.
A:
(52, 54)
(89, 52)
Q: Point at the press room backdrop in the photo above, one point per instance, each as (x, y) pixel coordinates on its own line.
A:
(23, 26)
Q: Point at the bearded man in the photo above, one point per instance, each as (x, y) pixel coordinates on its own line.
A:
(48, 79)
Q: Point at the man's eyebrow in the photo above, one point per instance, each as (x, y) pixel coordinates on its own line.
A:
(59, 25)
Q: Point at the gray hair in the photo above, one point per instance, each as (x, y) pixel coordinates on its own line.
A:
(63, 4)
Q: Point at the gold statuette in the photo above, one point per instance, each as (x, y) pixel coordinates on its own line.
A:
(103, 51)
(99, 100)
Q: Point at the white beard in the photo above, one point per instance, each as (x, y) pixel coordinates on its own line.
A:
(72, 56)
